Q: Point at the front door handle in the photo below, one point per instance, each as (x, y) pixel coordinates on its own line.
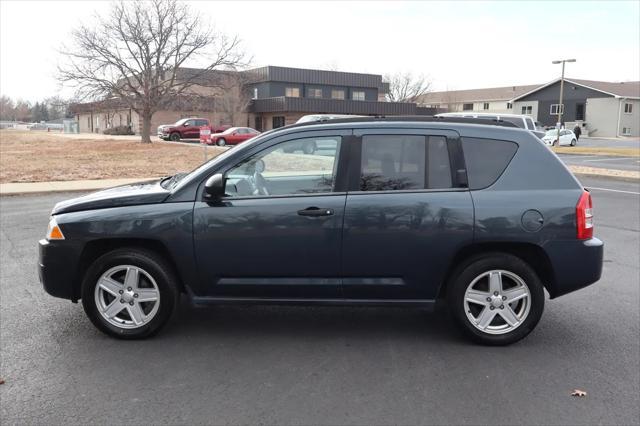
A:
(315, 211)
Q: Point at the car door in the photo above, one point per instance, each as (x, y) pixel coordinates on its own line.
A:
(408, 212)
(565, 137)
(277, 232)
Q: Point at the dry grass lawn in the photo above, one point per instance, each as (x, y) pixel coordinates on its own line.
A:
(29, 156)
(593, 150)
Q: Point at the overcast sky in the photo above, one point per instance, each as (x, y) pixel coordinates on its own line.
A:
(458, 45)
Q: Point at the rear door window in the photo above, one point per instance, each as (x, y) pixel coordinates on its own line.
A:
(404, 162)
(486, 159)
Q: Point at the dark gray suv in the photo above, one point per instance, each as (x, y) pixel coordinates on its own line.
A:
(395, 211)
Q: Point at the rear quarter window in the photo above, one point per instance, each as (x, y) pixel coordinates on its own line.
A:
(486, 159)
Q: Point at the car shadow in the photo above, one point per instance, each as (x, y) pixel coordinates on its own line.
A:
(314, 322)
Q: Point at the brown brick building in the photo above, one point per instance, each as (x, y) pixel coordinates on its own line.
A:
(262, 98)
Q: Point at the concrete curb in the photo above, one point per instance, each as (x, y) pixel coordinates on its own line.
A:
(24, 188)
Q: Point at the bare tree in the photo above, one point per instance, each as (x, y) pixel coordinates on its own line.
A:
(235, 98)
(405, 87)
(138, 53)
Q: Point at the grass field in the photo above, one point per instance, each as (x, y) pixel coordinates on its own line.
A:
(28, 156)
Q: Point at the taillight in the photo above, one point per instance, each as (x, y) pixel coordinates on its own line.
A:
(584, 216)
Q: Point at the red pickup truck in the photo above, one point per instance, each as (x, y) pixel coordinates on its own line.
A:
(186, 128)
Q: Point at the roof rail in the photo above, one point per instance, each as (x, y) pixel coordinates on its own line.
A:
(406, 118)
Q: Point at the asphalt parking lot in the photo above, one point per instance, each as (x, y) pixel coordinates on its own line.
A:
(301, 365)
(602, 161)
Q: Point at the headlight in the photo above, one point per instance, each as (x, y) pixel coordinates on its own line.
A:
(54, 232)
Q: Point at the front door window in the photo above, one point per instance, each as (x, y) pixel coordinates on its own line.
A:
(301, 166)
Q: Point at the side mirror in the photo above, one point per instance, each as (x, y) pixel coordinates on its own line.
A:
(214, 187)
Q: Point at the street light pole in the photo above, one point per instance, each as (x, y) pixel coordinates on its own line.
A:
(560, 106)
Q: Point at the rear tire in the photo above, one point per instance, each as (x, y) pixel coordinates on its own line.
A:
(221, 142)
(120, 312)
(489, 318)
(175, 137)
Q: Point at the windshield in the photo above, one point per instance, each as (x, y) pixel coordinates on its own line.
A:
(180, 122)
(552, 132)
(230, 130)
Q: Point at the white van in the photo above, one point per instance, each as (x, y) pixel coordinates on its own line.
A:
(522, 121)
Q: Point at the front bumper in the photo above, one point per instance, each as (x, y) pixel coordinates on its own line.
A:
(576, 264)
(57, 267)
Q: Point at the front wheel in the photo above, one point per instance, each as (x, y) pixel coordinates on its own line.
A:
(573, 142)
(129, 293)
(221, 142)
(496, 299)
(175, 137)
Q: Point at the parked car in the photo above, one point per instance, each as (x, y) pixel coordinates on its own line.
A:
(233, 136)
(520, 120)
(186, 128)
(404, 212)
(567, 137)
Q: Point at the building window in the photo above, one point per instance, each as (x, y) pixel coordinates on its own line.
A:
(467, 107)
(509, 105)
(485, 105)
(628, 108)
(255, 93)
(555, 109)
(626, 131)
(314, 93)
(357, 95)
(277, 121)
(337, 94)
(527, 109)
(292, 92)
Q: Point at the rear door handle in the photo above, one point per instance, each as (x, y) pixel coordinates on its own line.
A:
(315, 211)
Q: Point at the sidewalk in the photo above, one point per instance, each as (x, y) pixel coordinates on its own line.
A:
(63, 186)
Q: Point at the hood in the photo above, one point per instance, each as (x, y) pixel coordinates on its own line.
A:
(126, 195)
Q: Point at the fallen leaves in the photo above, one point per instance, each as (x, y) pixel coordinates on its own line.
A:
(578, 393)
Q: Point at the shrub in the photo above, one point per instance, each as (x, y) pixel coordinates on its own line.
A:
(119, 130)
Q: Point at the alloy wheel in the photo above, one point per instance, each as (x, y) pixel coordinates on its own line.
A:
(497, 302)
(126, 296)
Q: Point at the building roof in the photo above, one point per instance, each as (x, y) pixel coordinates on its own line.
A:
(311, 76)
(476, 95)
(625, 89)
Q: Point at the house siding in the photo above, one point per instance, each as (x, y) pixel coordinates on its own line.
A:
(573, 95)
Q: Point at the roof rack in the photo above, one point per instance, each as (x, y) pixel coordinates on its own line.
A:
(407, 118)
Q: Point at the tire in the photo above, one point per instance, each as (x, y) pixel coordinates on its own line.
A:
(221, 142)
(470, 315)
(175, 137)
(309, 148)
(155, 277)
(573, 142)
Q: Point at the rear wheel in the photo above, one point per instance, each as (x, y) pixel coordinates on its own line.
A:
(175, 137)
(129, 293)
(496, 299)
(221, 142)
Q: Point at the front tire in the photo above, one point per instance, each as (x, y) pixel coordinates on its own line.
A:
(496, 299)
(221, 142)
(129, 293)
(175, 137)
(573, 142)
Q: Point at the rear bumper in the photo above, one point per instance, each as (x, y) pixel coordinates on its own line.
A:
(57, 266)
(576, 264)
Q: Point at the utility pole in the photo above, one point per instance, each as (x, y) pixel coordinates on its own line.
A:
(560, 105)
